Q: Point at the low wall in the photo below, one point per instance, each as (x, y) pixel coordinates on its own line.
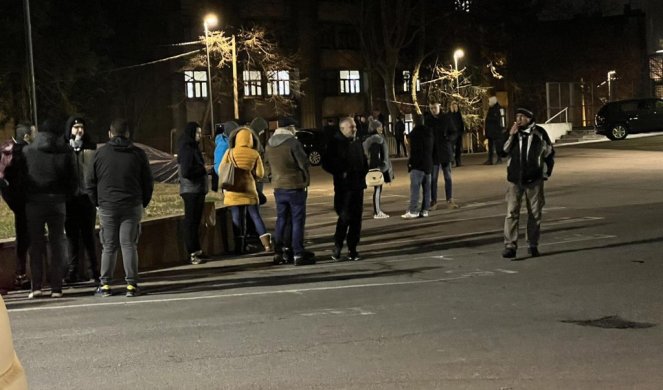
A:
(556, 130)
(161, 244)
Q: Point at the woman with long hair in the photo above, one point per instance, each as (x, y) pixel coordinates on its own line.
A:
(377, 153)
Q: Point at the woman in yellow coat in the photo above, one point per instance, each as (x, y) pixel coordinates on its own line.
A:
(244, 196)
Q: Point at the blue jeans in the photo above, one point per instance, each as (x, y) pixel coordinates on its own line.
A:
(290, 205)
(254, 213)
(120, 227)
(419, 179)
(446, 172)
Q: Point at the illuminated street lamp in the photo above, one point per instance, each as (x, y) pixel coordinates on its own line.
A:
(611, 76)
(210, 21)
(459, 53)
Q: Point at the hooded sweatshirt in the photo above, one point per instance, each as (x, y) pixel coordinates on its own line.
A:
(120, 176)
(51, 171)
(287, 160)
(250, 168)
(192, 172)
(377, 152)
(83, 151)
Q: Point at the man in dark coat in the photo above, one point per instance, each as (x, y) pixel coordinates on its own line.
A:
(400, 137)
(81, 216)
(531, 159)
(420, 165)
(14, 195)
(121, 186)
(494, 130)
(444, 139)
(346, 161)
(51, 181)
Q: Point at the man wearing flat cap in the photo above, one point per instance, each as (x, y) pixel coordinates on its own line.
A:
(531, 158)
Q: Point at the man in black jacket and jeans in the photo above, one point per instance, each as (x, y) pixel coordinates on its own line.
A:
(121, 185)
(420, 166)
(531, 158)
(346, 161)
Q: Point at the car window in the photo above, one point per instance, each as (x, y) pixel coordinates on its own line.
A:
(629, 106)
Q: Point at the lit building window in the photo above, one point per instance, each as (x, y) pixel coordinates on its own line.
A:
(252, 80)
(196, 84)
(463, 5)
(278, 83)
(407, 82)
(350, 81)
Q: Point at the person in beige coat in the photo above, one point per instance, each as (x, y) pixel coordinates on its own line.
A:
(243, 197)
(12, 376)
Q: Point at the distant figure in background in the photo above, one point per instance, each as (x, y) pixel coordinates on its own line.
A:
(121, 186)
(81, 214)
(377, 152)
(193, 188)
(494, 131)
(346, 161)
(51, 181)
(456, 119)
(400, 137)
(14, 195)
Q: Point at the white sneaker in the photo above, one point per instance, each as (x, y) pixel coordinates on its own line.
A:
(409, 215)
(381, 215)
(424, 213)
(35, 294)
(56, 295)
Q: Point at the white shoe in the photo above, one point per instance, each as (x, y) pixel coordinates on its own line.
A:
(35, 294)
(56, 295)
(424, 213)
(409, 215)
(381, 215)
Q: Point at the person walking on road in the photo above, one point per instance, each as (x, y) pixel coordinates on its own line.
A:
(51, 181)
(494, 130)
(346, 161)
(530, 162)
(193, 188)
(420, 166)
(290, 179)
(81, 213)
(121, 186)
(377, 152)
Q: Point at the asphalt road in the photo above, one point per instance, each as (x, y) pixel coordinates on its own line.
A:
(432, 305)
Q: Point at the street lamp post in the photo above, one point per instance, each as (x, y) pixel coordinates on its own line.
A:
(459, 53)
(611, 74)
(210, 21)
(33, 93)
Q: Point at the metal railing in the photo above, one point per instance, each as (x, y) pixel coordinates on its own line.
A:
(564, 111)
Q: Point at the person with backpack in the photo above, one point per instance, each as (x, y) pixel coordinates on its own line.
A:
(377, 152)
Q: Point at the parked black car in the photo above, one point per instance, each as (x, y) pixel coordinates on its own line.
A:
(314, 143)
(618, 119)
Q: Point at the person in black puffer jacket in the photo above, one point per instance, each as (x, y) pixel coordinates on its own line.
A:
(193, 187)
(420, 165)
(51, 181)
(346, 161)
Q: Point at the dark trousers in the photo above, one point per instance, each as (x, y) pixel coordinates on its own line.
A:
(349, 206)
(400, 143)
(193, 213)
(79, 227)
(40, 215)
(22, 237)
(493, 146)
(290, 205)
(458, 149)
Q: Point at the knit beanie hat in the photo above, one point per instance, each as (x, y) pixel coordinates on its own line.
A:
(525, 112)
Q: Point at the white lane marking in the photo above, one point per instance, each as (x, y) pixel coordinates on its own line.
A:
(506, 271)
(352, 311)
(253, 293)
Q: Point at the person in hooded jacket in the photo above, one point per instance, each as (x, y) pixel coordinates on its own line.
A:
(377, 152)
(81, 213)
(290, 179)
(50, 181)
(120, 184)
(14, 195)
(244, 196)
(193, 187)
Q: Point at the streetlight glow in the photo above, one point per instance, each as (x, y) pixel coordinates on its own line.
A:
(211, 21)
(459, 53)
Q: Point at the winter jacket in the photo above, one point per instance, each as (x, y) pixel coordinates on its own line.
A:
(346, 161)
(120, 176)
(287, 161)
(14, 193)
(220, 147)
(51, 169)
(444, 137)
(192, 172)
(538, 161)
(421, 149)
(494, 127)
(83, 152)
(377, 153)
(457, 128)
(248, 160)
